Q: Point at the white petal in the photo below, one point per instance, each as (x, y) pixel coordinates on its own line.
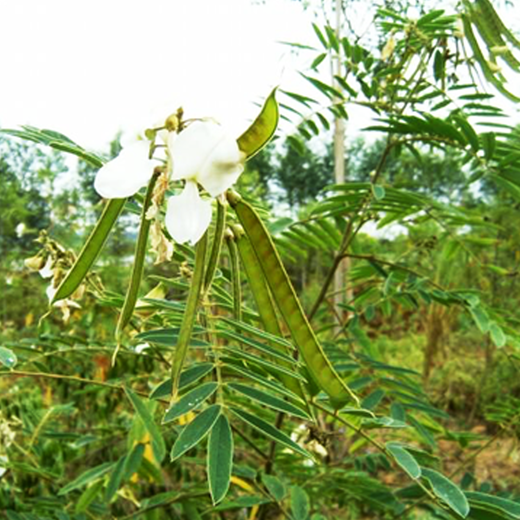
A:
(127, 173)
(50, 292)
(222, 167)
(192, 147)
(187, 215)
(46, 271)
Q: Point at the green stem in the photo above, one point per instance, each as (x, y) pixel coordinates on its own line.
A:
(189, 315)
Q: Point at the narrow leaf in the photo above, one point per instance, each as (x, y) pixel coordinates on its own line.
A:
(87, 497)
(195, 431)
(158, 446)
(7, 357)
(378, 191)
(188, 376)
(300, 505)
(220, 459)
(275, 486)
(190, 401)
(405, 460)
(495, 503)
(497, 335)
(115, 480)
(269, 400)
(447, 491)
(270, 431)
(133, 460)
(86, 478)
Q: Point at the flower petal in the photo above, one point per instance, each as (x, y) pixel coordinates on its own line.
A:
(191, 148)
(222, 167)
(187, 215)
(127, 173)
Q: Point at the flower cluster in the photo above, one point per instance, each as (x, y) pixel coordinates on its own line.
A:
(199, 153)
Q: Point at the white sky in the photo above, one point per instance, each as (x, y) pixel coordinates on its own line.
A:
(91, 68)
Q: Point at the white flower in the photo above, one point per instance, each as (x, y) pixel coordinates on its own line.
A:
(47, 271)
(127, 173)
(187, 215)
(202, 153)
(20, 229)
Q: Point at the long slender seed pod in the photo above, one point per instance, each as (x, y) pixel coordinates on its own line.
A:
(489, 13)
(138, 267)
(319, 366)
(481, 60)
(216, 246)
(263, 298)
(91, 249)
(492, 37)
(235, 274)
(190, 314)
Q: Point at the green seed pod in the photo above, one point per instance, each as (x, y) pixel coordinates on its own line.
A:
(91, 249)
(263, 298)
(318, 365)
(190, 314)
(138, 267)
(235, 274)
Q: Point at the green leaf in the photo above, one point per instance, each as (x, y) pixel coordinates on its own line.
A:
(406, 461)
(158, 446)
(497, 335)
(188, 376)
(481, 318)
(91, 250)
(257, 360)
(133, 460)
(270, 431)
(378, 191)
(269, 400)
(55, 140)
(300, 505)
(275, 486)
(494, 503)
(262, 129)
(220, 459)
(190, 401)
(325, 89)
(447, 491)
(195, 431)
(261, 380)
(86, 478)
(242, 502)
(320, 36)
(7, 357)
(88, 496)
(115, 480)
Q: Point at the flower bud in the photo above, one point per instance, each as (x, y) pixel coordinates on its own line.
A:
(35, 263)
(172, 123)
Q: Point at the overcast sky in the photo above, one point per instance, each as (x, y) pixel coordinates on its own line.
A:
(91, 68)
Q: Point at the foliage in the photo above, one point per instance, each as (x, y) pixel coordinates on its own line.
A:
(228, 398)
